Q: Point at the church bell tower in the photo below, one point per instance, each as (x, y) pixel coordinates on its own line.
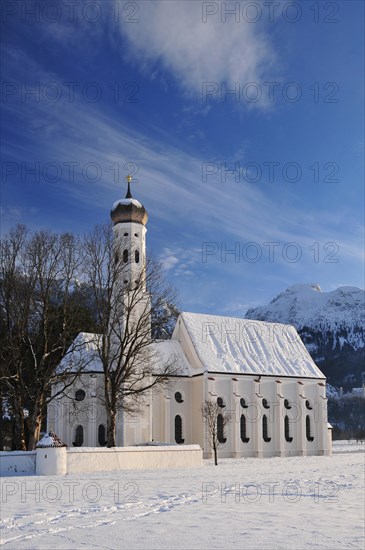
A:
(129, 219)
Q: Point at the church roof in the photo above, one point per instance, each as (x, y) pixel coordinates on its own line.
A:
(232, 345)
(83, 354)
(220, 344)
(171, 351)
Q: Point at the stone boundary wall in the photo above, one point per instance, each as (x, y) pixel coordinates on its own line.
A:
(133, 458)
(58, 461)
(17, 463)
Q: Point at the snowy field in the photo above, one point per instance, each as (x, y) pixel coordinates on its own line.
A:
(309, 502)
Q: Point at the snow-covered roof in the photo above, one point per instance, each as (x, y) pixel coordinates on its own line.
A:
(50, 440)
(172, 352)
(82, 354)
(222, 344)
(228, 344)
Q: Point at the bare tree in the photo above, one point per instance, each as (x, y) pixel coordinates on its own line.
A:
(215, 421)
(15, 298)
(39, 313)
(125, 309)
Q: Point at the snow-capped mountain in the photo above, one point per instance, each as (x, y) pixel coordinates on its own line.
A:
(331, 325)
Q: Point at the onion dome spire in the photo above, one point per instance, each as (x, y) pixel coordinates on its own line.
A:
(128, 209)
(129, 194)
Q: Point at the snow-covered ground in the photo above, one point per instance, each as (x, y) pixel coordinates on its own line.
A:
(309, 502)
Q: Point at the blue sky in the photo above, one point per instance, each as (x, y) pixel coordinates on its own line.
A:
(92, 91)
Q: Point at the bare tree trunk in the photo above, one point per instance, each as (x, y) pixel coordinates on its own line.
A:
(212, 412)
(35, 424)
(215, 453)
(18, 442)
(1, 422)
(111, 427)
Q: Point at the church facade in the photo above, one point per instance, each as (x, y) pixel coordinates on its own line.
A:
(258, 373)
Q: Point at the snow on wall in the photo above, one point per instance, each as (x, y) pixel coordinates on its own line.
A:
(228, 344)
(17, 462)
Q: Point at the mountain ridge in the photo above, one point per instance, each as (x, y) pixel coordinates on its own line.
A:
(331, 325)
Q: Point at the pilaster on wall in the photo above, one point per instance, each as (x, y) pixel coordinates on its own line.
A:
(322, 431)
(236, 425)
(300, 425)
(258, 424)
(279, 422)
(167, 413)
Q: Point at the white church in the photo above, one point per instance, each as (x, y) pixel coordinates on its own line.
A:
(259, 373)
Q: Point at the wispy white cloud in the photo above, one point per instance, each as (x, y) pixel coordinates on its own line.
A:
(172, 36)
(168, 259)
(171, 183)
(182, 262)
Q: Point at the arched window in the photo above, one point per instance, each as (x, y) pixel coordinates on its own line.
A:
(243, 403)
(265, 430)
(178, 430)
(308, 428)
(220, 402)
(80, 395)
(308, 404)
(287, 429)
(220, 429)
(125, 255)
(287, 405)
(243, 429)
(179, 397)
(265, 404)
(136, 256)
(101, 435)
(79, 436)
